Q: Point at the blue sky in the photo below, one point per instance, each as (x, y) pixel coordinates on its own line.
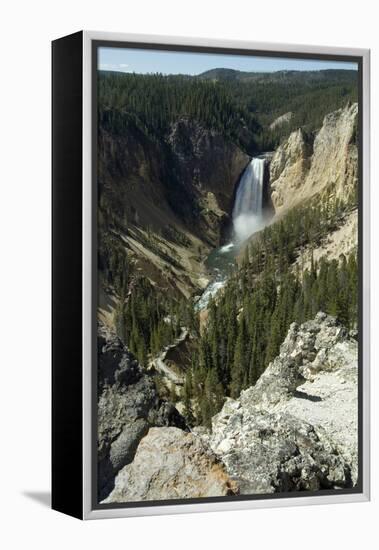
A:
(153, 61)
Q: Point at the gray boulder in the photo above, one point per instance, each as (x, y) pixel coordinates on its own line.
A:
(171, 464)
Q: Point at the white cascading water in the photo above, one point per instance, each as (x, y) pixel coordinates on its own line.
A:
(247, 210)
(247, 218)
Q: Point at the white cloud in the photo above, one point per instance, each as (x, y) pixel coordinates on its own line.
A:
(123, 67)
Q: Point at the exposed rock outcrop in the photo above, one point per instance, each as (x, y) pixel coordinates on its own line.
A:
(128, 405)
(335, 156)
(170, 463)
(289, 167)
(209, 166)
(296, 429)
(303, 167)
(282, 119)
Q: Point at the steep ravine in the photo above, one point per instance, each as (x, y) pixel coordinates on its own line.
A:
(170, 199)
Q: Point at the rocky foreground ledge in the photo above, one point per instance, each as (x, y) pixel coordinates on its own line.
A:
(128, 406)
(296, 429)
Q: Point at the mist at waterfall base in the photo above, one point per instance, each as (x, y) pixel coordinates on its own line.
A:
(247, 219)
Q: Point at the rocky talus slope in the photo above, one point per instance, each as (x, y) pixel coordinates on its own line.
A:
(306, 165)
(296, 429)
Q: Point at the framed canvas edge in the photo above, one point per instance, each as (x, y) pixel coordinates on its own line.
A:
(88, 313)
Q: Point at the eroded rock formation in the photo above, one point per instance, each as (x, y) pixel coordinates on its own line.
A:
(304, 166)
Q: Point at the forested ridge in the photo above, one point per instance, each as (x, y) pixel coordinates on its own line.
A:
(308, 95)
(153, 102)
(240, 108)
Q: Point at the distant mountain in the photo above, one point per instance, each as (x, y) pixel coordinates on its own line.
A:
(327, 75)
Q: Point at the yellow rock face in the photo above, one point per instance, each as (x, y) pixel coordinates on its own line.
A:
(300, 169)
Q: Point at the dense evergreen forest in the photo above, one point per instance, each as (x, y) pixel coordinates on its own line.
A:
(240, 108)
(308, 95)
(247, 326)
(153, 102)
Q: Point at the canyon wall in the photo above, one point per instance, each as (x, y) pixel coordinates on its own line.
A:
(169, 199)
(305, 165)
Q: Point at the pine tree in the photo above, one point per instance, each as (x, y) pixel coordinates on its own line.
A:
(241, 360)
(275, 337)
(187, 392)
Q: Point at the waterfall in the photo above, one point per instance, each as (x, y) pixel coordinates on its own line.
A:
(247, 218)
(247, 210)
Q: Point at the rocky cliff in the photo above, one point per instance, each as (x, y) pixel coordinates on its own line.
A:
(305, 165)
(209, 166)
(280, 120)
(128, 405)
(145, 450)
(296, 429)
